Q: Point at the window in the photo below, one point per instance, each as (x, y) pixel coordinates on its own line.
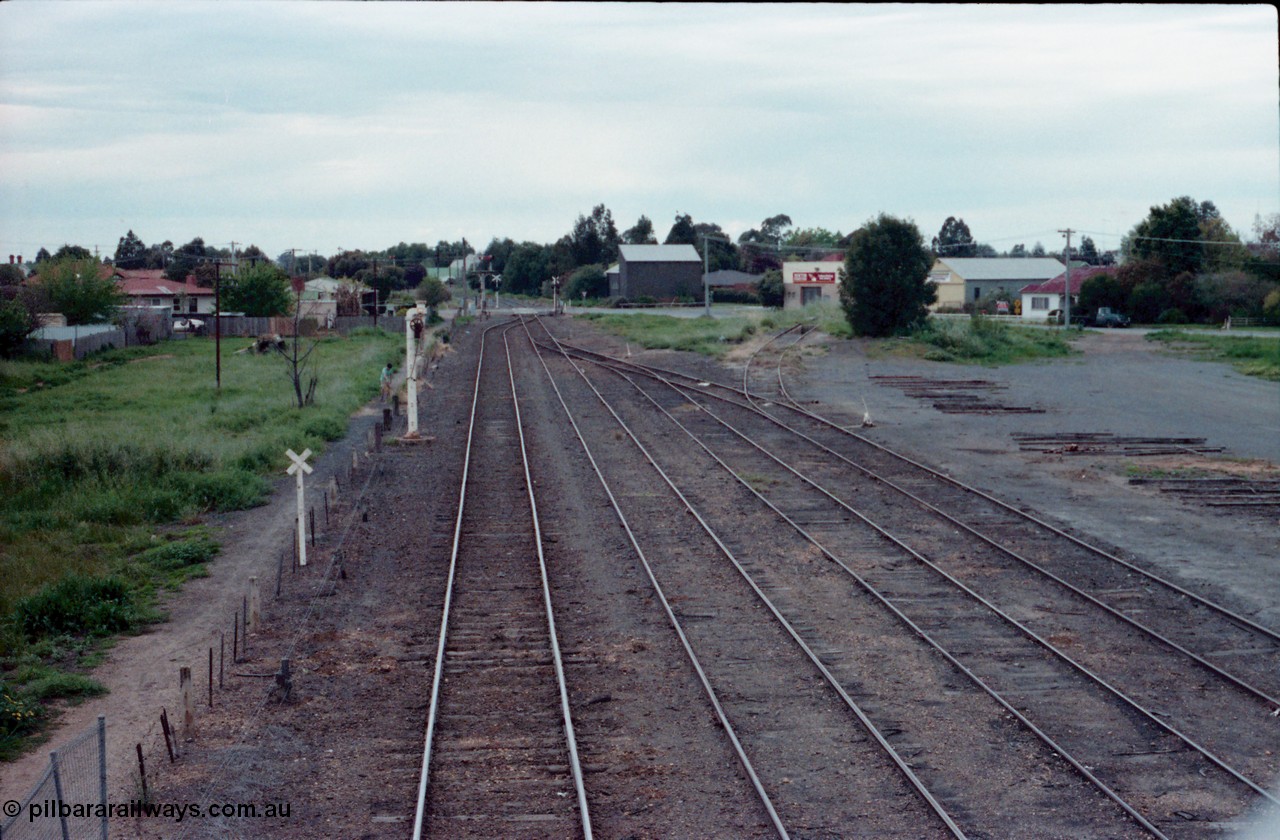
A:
(191, 305)
(1039, 304)
(177, 304)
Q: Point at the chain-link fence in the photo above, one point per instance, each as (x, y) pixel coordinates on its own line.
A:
(70, 800)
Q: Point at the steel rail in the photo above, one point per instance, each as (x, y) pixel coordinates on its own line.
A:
(574, 764)
(1217, 670)
(746, 368)
(433, 709)
(1243, 621)
(831, 679)
(714, 699)
(924, 635)
(1028, 632)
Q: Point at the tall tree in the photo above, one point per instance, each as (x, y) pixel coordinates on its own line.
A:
(641, 233)
(1172, 234)
(594, 239)
(186, 259)
(723, 254)
(131, 252)
(682, 232)
(885, 289)
(954, 239)
(257, 290)
(758, 247)
(1089, 252)
(526, 268)
(80, 291)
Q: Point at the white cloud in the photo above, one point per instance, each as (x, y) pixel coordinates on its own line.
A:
(390, 121)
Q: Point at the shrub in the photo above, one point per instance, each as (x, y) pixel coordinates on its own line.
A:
(77, 605)
(18, 715)
(1173, 316)
(58, 684)
(177, 555)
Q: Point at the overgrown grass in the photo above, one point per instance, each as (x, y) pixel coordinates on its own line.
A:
(1251, 355)
(105, 466)
(709, 336)
(984, 341)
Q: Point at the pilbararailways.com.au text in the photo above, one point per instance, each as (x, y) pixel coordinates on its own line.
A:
(138, 809)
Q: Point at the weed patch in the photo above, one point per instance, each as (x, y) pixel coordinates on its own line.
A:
(1251, 355)
(983, 341)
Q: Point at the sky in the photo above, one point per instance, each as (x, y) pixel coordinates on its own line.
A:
(335, 125)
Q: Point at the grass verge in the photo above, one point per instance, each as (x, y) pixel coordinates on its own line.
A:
(107, 465)
(1251, 355)
(984, 341)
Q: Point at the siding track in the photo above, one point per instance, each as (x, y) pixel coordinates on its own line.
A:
(1145, 707)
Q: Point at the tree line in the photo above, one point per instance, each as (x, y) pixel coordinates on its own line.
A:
(1183, 262)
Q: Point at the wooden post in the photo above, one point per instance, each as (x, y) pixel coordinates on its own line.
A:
(235, 639)
(255, 604)
(210, 678)
(188, 704)
(244, 626)
(313, 527)
(142, 773)
(386, 419)
(168, 738)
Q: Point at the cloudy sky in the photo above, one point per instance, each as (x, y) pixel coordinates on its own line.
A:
(333, 125)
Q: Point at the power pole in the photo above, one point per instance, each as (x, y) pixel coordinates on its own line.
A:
(1066, 290)
(217, 322)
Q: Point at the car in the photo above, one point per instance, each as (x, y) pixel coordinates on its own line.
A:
(192, 325)
(1110, 318)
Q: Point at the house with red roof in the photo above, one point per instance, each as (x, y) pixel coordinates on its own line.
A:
(1039, 299)
(150, 288)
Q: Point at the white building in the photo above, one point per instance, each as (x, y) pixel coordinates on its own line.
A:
(804, 283)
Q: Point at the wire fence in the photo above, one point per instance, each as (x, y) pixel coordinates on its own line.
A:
(70, 800)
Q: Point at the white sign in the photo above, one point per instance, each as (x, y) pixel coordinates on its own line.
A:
(300, 468)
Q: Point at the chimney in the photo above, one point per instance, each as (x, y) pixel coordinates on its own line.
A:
(11, 259)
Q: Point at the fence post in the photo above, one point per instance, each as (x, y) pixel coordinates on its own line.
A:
(102, 770)
(255, 604)
(57, 789)
(188, 705)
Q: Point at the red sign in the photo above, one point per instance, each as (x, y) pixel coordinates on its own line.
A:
(298, 284)
(813, 277)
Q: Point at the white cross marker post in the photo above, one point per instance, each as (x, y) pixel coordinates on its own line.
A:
(411, 371)
(300, 468)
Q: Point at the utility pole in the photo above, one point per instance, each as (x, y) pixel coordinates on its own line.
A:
(706, 283)
(1066, 291)
(375, 294)
(217, 322)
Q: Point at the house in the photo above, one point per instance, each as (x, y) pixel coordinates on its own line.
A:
(732, 278)
(150, 288)
(817, 281)
(1039, 299)
(965, 280)
(662, 272)
(319, 299)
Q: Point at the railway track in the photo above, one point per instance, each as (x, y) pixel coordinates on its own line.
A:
(500, 757)
(817, 763)
(1024, 658)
